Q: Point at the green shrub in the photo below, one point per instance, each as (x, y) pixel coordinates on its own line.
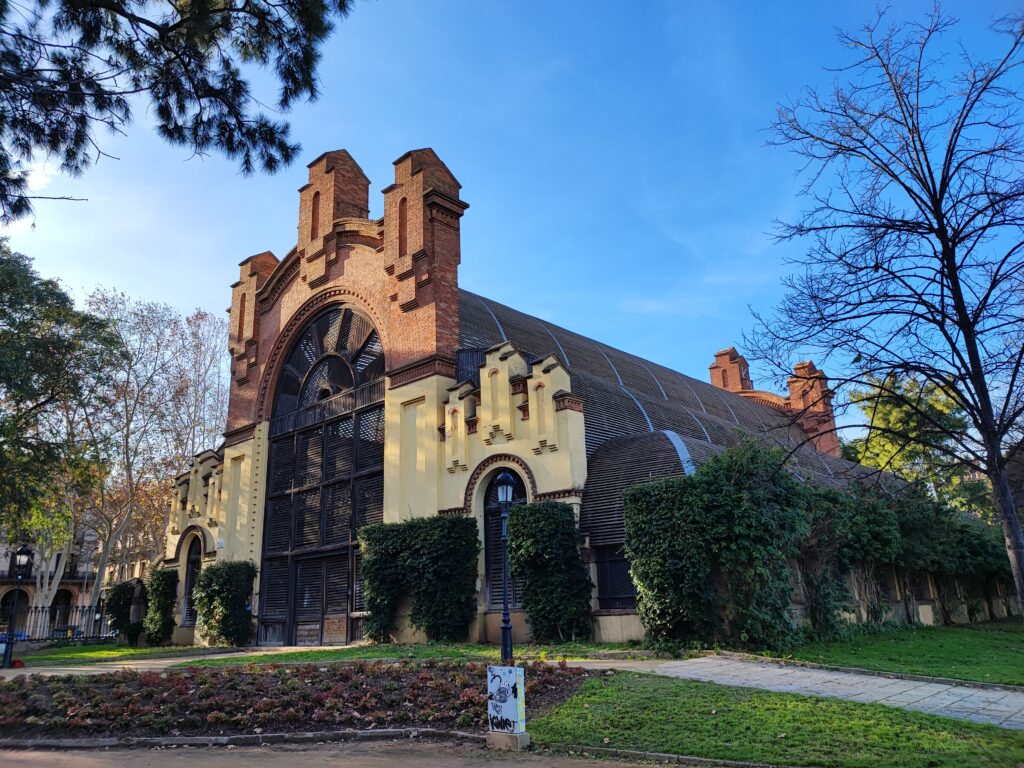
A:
(709, 552)
(433, 562)
(542, 543)
(222, 594)
(161, 595)
(119, 607)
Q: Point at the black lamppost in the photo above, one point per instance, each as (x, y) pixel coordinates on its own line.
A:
(22, 569)
(505, 484)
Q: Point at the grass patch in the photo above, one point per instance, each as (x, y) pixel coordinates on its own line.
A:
(645, 712)
(87, 654)
(422, 651)
(987, 653)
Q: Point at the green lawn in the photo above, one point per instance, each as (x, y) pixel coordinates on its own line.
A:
(455, 651)
(645, 712)
(988, 653)
(85, 654)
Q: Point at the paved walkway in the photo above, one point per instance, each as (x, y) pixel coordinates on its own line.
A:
(979, 705)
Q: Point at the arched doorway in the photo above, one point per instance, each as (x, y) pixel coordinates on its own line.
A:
(492, 544)
(325, 480)
(60, 613)
(193, 564)
(7, 605)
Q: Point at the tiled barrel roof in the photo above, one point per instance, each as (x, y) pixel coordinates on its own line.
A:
(625, 396)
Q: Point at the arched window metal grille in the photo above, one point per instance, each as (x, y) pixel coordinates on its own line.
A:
(193, 563)
(492, 545)
(325, 480)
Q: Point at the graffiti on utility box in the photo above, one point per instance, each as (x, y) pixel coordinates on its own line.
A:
(506, 699)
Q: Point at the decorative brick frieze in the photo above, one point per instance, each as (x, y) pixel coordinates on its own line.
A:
(433, 366)
(567, 401)
(564, 493)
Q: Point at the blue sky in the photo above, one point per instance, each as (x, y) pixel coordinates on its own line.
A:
(613, 154)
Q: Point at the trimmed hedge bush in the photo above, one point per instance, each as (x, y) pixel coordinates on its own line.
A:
(119, 609)
(161, 595)
(431, 561)
(542, 544)
(222, 599)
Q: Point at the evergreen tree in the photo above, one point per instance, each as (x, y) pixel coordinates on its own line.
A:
(70, 67)
(896, 410)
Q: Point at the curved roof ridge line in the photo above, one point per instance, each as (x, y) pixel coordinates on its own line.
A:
(684, 454)
(565, 356)
(731, 411)
(700, 423)
(650, 425)
(756, 414)
(683, 378)
(615, 370)
(494, 317)
(664, 394)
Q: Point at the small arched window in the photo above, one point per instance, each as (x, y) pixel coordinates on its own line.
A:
(314, 217)
(725, 379)
(240, 330)
(403, 226)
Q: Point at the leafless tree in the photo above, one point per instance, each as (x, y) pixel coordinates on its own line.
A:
(164, 401)
(914, 164)
(198, 386)
(131, 424)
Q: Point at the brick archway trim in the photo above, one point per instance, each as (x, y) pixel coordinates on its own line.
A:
(491, 461)
(296, 323)
(209, 545)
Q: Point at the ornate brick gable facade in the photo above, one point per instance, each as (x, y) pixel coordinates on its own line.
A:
(401, 270)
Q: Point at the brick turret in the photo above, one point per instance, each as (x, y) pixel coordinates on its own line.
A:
(730, 371)
(421, 256)
(809, 402)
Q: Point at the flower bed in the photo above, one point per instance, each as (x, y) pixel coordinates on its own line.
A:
(265, 699)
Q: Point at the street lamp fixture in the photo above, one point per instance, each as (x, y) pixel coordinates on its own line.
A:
(505, 485)
(22, 570)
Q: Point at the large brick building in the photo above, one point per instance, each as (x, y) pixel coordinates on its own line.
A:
(367, 385)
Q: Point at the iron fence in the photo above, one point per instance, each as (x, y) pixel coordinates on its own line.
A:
(55, 623)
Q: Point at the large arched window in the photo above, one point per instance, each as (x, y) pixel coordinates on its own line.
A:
(325, 480)
(492, 544)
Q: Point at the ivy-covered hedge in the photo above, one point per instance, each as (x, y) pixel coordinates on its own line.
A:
(161, 595)
(711, 554)
(542, 543)
(222, 599)
(431, 561)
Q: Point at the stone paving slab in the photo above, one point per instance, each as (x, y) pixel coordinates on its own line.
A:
(995, 707)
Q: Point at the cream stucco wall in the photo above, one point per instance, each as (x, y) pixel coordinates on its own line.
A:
(444, 442)
(220, 501)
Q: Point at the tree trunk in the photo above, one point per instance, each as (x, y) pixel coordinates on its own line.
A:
(1012, 532)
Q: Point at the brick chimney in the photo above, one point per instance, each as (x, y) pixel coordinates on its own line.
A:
(730, 371)
(810, 400)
